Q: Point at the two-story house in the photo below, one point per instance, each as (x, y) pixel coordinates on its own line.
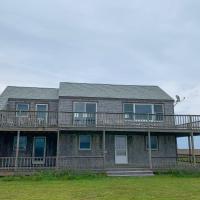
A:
(91, 126)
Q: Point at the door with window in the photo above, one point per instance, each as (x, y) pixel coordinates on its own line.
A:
(39, 150)
(42, 114)
(121, 156)
(85, 113)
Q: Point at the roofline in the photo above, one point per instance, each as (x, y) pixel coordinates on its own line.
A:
(109, 84)
(115, 98)
(31, 87)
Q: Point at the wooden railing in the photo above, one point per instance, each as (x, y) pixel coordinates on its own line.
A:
(62, 162)
(31, 119)
(92, 163)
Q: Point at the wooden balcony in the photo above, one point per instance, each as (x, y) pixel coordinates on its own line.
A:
(62, 120)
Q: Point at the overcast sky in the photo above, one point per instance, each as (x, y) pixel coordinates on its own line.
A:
(115, 41)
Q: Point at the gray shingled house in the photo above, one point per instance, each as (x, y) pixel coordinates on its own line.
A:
(91, 126)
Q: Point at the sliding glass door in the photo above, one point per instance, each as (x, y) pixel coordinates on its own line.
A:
(85, 113)
(42, 113)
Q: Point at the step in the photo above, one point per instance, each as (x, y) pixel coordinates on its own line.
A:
(127, 169)
(129, 172)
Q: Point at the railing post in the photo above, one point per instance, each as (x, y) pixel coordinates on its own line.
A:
(104, 148)
(193, 149)
(189, 148)
(17, 150)
(58, 149)
(149, 149)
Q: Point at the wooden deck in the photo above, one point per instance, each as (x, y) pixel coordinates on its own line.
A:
(53, 121)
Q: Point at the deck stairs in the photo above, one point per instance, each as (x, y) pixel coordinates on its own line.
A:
(129, 172)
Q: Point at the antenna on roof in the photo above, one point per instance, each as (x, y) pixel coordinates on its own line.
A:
(178, 100)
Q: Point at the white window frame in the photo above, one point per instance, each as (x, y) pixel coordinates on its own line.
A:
(47, 108)
(85, 149)
(18, 111)
(146, 141)
(44, 156)
(152, 112)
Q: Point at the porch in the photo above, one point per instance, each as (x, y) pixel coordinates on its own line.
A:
(61, 151)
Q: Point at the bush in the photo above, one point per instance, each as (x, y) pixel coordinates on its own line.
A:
(55, 175)
(180, 173)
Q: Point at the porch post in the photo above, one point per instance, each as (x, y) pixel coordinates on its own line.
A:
(104, 147)
(189, 148)
(149, 149)
(193, 153)
(17, 150)
(58, 149)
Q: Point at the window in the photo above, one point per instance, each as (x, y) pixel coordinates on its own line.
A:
(86, 107)
(141, 111)
(22, 143)
(85, 113)
(154, 143)
(84, 142)
(22, 109)
(158, 111)
(42, 112)
(128, 110)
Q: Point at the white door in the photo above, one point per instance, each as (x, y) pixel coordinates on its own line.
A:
(121, 149)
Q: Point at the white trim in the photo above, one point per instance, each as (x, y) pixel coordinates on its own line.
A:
(43, 160)
(25, 112)
(85, 149)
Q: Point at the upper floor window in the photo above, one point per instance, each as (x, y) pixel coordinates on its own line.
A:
(22, 109)
(141, 111)
(87, 107)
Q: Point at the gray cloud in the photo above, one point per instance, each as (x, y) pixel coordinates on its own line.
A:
(128, 42)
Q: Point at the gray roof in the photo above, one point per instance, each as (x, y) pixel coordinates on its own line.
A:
(84, 90)
(112, 91)
(27, 93)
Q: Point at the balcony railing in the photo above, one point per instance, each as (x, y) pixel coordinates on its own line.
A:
(93, 163)
(32, 119)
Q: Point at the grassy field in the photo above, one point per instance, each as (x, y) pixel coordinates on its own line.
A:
(166, 187)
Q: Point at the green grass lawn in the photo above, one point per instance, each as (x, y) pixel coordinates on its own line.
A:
(132, 188)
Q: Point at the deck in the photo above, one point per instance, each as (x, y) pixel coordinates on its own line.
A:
(53, 121)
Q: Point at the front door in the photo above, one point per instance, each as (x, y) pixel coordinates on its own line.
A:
(121, 149)
(39, 150)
